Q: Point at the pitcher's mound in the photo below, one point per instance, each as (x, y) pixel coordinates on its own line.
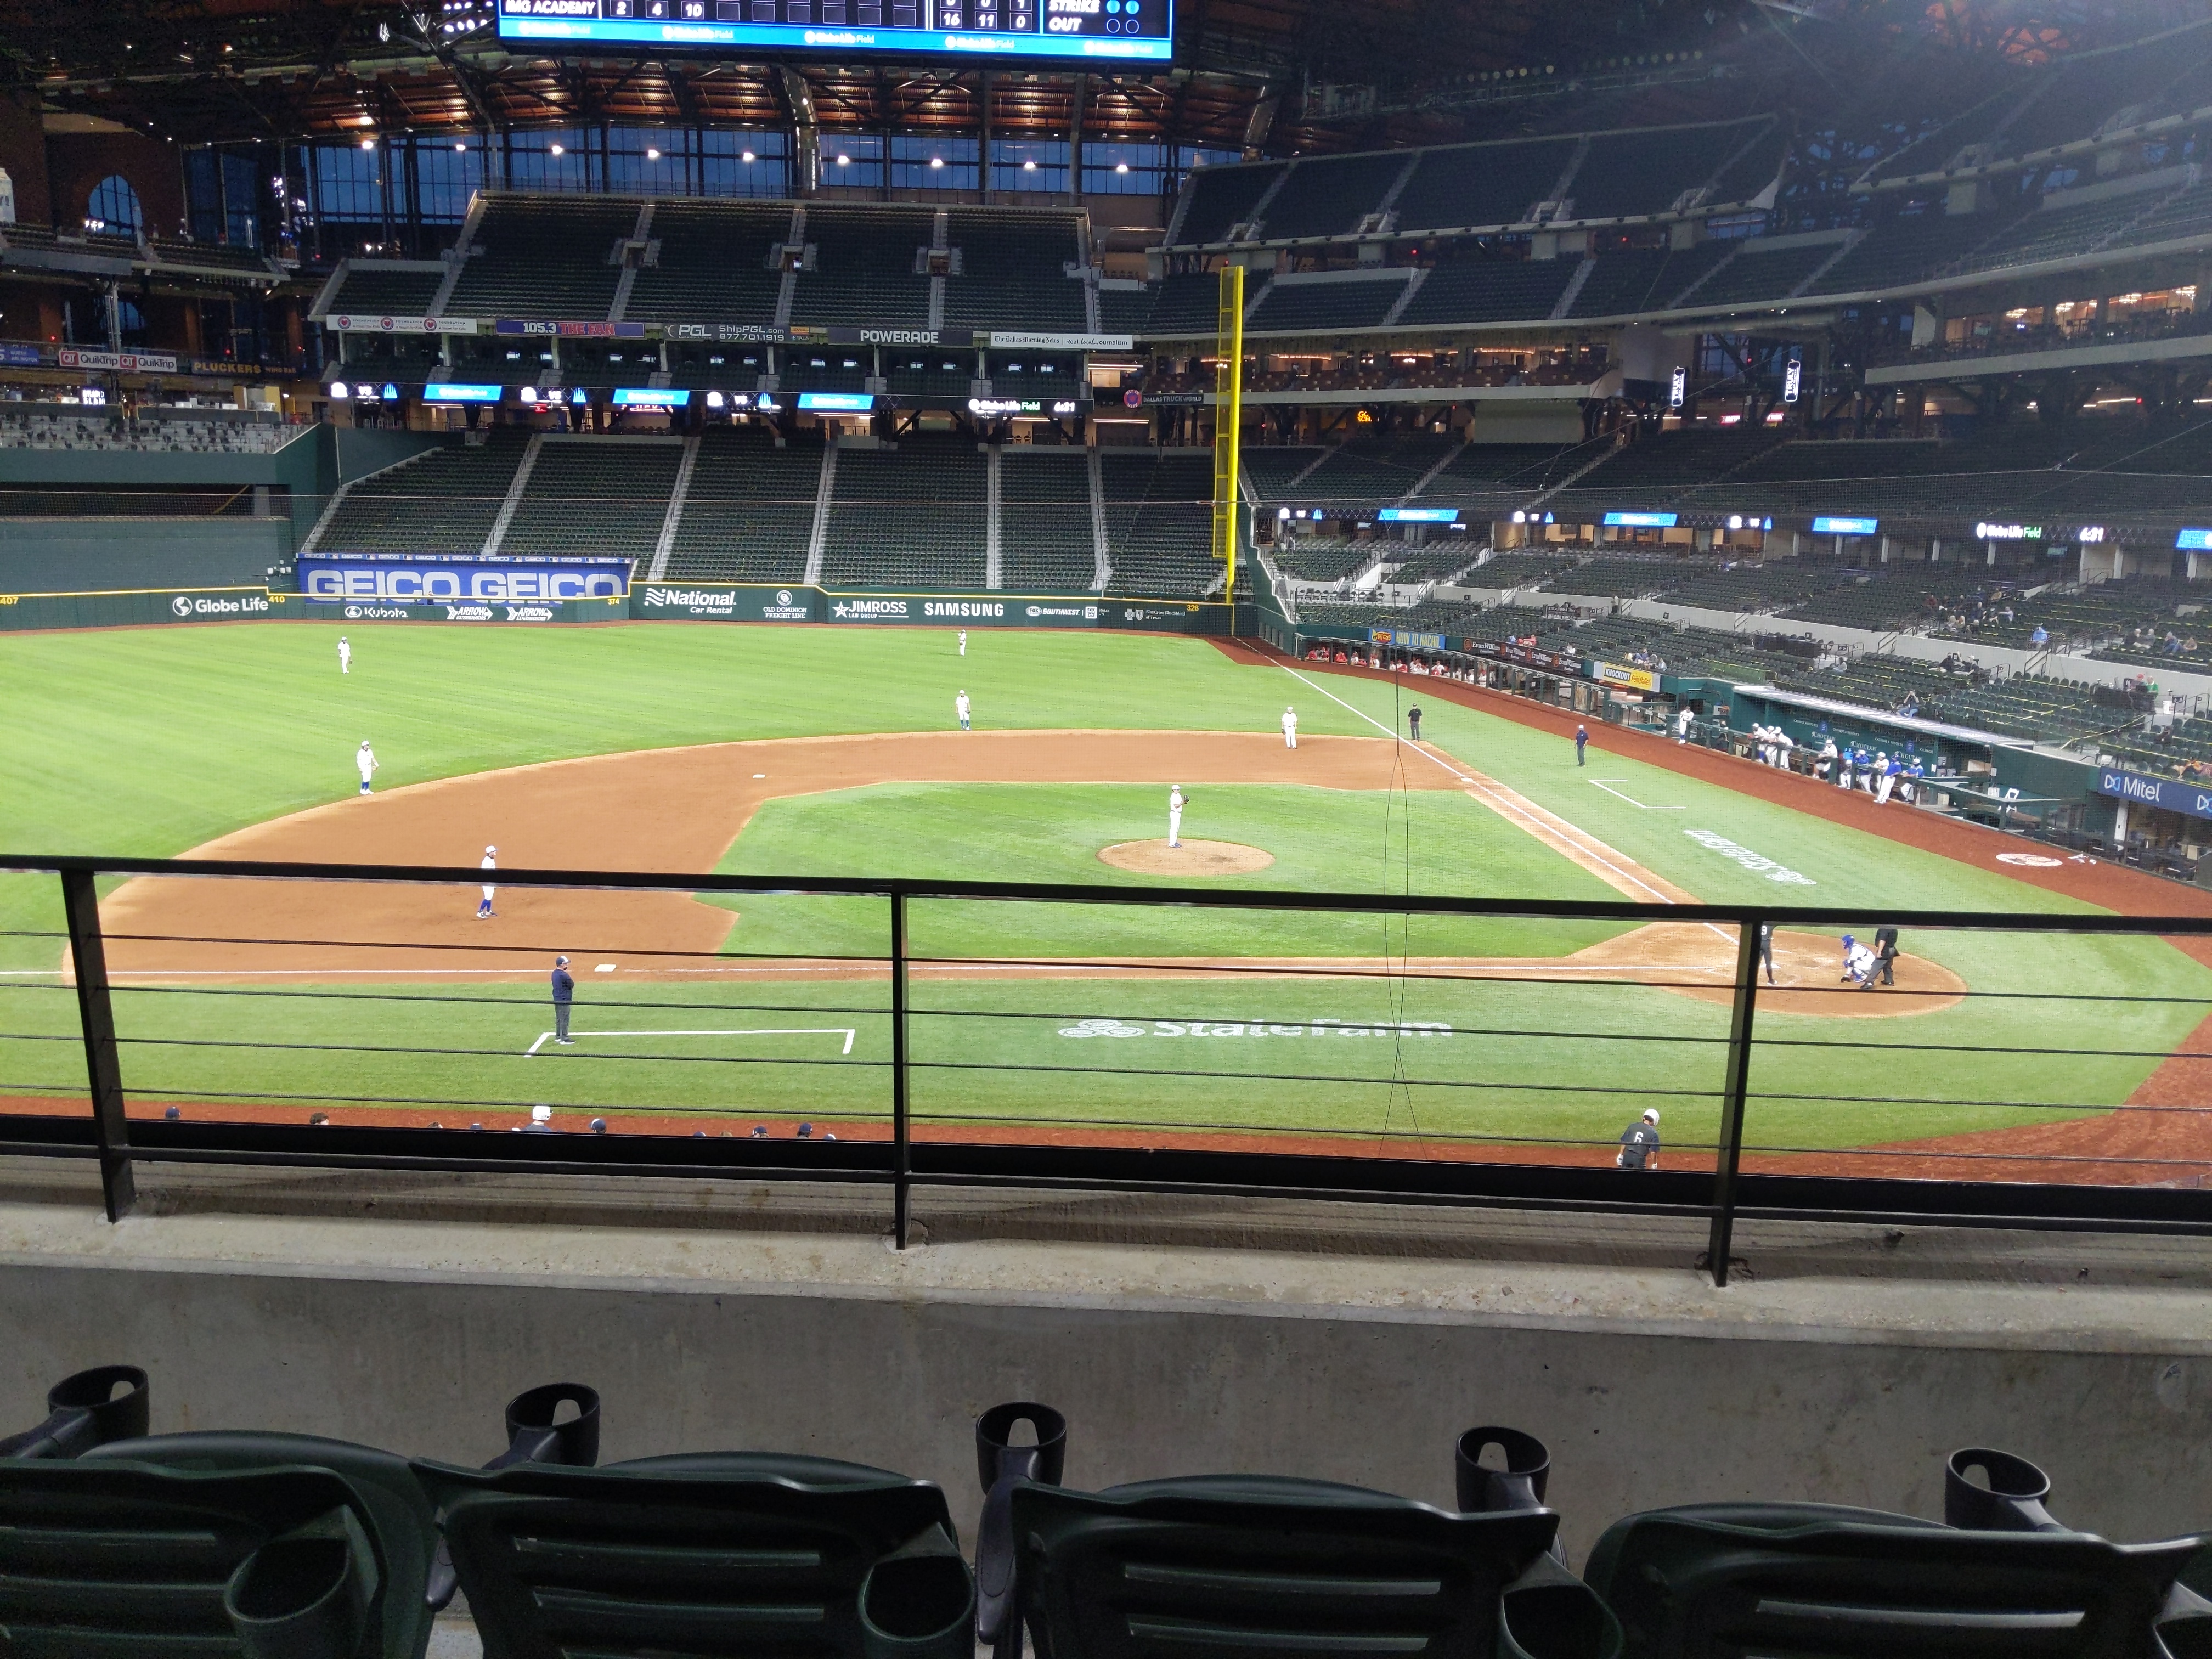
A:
(1192, 858)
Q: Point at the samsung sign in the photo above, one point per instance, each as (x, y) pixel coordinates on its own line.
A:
(2169, 793)
(406, 582)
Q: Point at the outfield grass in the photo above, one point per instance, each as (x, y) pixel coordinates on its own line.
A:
(1324, 840)
(149, 742)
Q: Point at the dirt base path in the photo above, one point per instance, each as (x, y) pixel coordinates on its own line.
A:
(665, 809)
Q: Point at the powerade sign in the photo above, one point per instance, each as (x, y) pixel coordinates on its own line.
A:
(1417, 515)
(2170, 795)
(400, 581)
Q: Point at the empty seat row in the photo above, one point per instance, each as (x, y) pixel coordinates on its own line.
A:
(290, 1547)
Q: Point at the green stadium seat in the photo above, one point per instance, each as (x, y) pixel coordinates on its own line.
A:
(1818, 1581)
(707, 1554)
(264, 1546)
(1269, 1565)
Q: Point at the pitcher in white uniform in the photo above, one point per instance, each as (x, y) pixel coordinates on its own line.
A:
(490, 861)
(1290, 728)
(1176, 801)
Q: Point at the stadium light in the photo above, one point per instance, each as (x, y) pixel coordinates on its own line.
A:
(844, 160)
(747, 156)
(713, 400)
(556, 150)
(652, 155)
(368, 143)
(459, 147)
(339, 391)
(528, 394)
(1029, 167)
(937, 161)
(1121, 166)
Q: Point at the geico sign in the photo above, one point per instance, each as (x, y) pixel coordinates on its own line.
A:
(448, 584)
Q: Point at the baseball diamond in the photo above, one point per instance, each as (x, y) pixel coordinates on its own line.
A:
(813, 754)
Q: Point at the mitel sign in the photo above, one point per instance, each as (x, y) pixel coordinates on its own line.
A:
(478, 582)
(2169, 793)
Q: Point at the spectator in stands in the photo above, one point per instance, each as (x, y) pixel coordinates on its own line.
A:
(1911, 706)
(2041, 637)
(1639, 1143)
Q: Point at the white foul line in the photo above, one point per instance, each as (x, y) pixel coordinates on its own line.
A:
(1501, 804)
(844, 1031)
(1606, 783)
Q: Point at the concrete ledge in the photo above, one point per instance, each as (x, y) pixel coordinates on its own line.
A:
(1179, 1335)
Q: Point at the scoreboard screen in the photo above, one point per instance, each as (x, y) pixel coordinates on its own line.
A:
(1123, 31)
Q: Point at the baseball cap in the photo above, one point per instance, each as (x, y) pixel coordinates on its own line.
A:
(491, 849)
(560, 962)
(1651, 1114)
(541, 1114)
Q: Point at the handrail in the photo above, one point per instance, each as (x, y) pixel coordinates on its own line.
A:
(1722, 1195)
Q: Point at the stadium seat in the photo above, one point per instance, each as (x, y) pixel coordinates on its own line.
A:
(721, 1553)
(1265, 1565)
(83, 1410)
(1999, 1577)
(266, 1546)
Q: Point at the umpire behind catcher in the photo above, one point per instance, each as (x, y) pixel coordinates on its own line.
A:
(564, 994)
(1639, 1143)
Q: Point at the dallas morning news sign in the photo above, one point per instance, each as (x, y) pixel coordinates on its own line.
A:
(421, 582)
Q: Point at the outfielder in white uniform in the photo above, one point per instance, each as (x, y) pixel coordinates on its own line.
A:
(1290, 728)
(960, 707)
(1176, 801)
(490, 862)
(345, 656)
(365, 759)
(963, 642)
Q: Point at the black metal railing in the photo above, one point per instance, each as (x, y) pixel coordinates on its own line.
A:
(973, 1055)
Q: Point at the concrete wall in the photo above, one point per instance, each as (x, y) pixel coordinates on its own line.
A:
(306, 469)
(79, 555)
(1650, 1387)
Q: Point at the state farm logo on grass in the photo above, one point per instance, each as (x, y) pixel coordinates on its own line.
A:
(1754, 862)
(1108, 1027)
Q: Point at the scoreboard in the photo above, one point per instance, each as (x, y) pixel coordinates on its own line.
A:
(1124, 31)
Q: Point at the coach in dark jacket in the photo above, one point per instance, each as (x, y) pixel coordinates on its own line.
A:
(564, 994)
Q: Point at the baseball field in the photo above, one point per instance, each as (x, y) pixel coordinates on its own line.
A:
(816, 752)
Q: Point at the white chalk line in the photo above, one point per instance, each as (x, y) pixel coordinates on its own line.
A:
(1574, 836)
(845, 1031)
(1606, 783)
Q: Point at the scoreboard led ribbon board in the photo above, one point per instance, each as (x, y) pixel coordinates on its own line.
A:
(1126, 31)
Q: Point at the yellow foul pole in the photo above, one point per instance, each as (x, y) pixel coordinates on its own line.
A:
(1228, 424)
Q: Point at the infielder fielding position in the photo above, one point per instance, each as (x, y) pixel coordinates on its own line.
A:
(1290, 728)
(490, 862)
